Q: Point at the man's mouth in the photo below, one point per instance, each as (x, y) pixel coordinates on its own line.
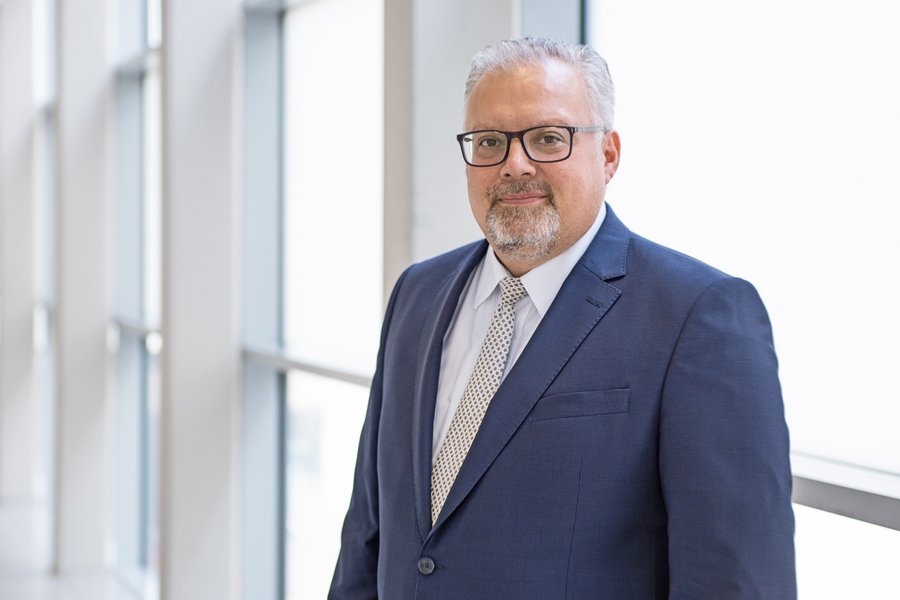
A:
(521, 194)
(522, 199)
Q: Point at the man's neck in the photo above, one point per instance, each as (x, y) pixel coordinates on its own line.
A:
(517, 268)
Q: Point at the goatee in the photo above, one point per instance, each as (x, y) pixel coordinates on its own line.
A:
(522, 233)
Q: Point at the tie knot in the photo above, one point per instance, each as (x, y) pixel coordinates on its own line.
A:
(511, 290)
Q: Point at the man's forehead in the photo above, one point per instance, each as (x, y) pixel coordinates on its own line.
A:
(550, 91)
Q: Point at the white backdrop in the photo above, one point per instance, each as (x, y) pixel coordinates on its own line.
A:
(764, 138)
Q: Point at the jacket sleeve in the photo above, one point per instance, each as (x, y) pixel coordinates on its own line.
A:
(724, 456)
(355, 576)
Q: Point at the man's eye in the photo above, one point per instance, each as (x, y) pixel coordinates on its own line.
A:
(489, 142)
(549, 139)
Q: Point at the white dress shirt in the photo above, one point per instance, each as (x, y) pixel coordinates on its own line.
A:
(476, 305)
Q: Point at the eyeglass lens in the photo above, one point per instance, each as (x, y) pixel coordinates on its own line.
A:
(546, 144)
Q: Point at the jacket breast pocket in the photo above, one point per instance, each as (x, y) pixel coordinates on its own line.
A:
(581, 404)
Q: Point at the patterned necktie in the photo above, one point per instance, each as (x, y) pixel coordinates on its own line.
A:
(482, 386)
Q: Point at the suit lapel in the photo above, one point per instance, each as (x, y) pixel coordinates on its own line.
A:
(428, 370)
(581, 303)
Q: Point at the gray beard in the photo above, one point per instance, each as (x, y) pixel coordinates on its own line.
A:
(522, 233)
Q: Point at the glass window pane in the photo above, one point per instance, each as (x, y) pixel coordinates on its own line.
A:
(138, 271)
(333, 182)
(136, 471)
(150, 537)
(325, 419)
(44, 205)
(152, 195)
(130, 29)
(129, 284)
(838, 557)
(45, 403)
(44, 51)
(40, 51)
(777, 162)
(43, 240)
(154, 23)
(129, 464)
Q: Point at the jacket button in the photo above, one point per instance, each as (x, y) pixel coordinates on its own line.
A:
(426, 566)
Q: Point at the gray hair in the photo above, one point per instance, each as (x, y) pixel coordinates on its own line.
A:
(509, 54)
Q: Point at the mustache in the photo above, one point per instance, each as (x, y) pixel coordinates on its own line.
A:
(496, 192)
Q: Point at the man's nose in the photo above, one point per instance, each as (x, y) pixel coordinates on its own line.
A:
(517, 163)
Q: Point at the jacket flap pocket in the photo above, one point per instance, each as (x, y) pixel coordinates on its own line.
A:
(581, 404)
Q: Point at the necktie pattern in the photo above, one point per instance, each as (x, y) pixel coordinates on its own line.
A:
(482, 386)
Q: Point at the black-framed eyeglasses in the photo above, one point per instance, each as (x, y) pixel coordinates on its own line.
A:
(544, 143)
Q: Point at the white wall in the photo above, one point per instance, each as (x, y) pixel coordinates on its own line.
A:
(82, 284)
(199, 516)
(18, 459)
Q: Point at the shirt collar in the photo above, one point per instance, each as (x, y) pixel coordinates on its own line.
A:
(542, 282)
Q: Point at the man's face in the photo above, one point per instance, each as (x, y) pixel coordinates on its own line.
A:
(531, 212)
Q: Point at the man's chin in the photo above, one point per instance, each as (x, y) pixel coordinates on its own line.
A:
(524, 245)
(521, 252)
(523, 232)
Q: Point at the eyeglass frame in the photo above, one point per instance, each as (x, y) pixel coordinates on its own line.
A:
(519, 135)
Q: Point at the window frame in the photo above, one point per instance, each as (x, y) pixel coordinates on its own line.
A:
(134, 337)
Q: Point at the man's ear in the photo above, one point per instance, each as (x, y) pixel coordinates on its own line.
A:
(612, 148)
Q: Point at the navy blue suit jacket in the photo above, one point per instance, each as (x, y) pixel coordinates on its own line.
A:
(636, 450)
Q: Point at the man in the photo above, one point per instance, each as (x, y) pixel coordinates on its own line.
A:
(636, 447)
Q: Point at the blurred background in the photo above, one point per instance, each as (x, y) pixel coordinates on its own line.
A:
(205, 204)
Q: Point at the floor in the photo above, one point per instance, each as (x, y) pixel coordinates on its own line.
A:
(24, 560)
